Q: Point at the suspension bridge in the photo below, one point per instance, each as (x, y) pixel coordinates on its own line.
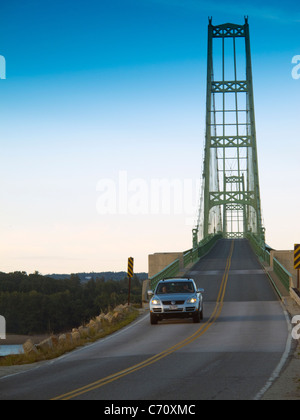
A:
(230, 203)
(244, 340)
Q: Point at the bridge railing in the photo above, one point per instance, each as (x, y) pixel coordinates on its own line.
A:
(194, 254)
(170, 270)
(282, 273)
(260, 251)
(190, 256)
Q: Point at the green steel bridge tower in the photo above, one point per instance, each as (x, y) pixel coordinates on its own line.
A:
(230, 196)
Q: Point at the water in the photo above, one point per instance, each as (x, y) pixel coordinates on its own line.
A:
(6, 350)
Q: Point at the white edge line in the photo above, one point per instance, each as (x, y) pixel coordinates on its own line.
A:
(101, 340)
(282, 362)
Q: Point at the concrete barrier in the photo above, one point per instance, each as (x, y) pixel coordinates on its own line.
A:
(158, 261)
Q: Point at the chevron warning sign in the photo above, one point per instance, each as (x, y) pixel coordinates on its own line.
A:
(130, 267)
(297, 257)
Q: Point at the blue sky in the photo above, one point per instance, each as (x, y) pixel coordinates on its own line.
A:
(98, 88)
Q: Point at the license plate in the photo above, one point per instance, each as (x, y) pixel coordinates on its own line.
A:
(173, 307)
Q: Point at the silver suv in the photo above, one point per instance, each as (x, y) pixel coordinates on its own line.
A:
(176, 298)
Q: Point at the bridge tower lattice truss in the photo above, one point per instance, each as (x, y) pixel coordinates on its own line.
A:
(230, 198)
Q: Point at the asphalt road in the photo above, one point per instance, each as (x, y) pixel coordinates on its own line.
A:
(232, 354)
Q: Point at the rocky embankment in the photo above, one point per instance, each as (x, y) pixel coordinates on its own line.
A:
(93, 329)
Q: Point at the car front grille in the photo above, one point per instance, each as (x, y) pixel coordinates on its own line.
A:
(174, 310)
(173, 302)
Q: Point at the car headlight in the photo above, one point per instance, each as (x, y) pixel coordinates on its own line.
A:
(155, 301)
(192, 300)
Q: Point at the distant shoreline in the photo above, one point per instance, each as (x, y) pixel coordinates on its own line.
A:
(12, 339)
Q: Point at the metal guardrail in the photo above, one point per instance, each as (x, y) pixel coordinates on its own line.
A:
(282, 273)
(258, 249)
(169, 271)
(194, 254)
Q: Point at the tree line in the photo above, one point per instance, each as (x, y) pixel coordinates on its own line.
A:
(36, 304)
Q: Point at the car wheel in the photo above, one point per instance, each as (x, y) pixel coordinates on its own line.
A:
(153, 319)
(201, 315)
(197, 317)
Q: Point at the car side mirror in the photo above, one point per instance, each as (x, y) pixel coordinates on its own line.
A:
(150, 293)
(200, 290)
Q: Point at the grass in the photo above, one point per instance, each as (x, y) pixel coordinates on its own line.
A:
(60, 349)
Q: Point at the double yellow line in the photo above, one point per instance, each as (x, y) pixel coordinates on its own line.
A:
(111, 378)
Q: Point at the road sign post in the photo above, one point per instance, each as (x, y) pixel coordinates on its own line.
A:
(297, 263)
(129, 274)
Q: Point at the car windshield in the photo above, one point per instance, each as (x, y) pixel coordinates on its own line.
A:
(175, 287)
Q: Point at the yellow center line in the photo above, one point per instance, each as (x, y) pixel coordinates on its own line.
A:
(212, 319)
